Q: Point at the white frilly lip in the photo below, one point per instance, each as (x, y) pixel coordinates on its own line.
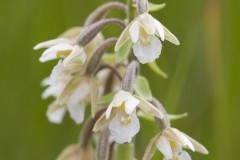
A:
(123, 133)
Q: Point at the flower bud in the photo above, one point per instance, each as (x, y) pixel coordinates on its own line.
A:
(101, 11)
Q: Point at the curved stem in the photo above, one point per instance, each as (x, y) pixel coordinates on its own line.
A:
(97, 55)
(86, 133)
(112, 68)
(92, 30)
(165, 122)
(101, 11)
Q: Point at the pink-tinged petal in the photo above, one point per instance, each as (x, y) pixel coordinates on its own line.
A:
(147, 53)
(164, 147)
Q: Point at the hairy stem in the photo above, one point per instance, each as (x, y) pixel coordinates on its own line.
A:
(101, 11)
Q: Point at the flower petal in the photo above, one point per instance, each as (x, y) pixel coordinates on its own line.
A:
(123, 37)
(102, 121)
(51, 43)
(197, 146)
(160, 29)
(147, 53)
(184, 156)
(55, 113)
(134, 31)
(184, 141)
(170, 37)
(76, 111)
(151, 148)
(164, 147)
(149, 108)
(77, 56)
(52, 53)
(123, 133)
(131, 104)
(146, 21)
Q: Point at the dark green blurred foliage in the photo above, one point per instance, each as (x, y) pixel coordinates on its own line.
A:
(203, 75)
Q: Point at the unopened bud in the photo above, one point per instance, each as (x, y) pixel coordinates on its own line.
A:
(129, 77)
(101, 11)
(98, 53)
(91, 31)
(142, 6)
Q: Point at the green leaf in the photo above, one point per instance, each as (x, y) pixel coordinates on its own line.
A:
(173, 117)
(123, 52)
(124, 152)
(156, 7)
(142, 88)
(155, 68)
(106, 99)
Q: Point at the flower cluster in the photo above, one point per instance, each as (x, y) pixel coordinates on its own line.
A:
(88, 74)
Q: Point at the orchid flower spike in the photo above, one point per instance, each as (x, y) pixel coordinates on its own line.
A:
(144, 32)
(121, 116)
(171, 143)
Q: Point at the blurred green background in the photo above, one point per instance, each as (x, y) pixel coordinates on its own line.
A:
(203, 75)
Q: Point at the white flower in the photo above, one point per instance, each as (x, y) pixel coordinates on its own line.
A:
(121, 114)
(143, 32)
(171, 143)
(72, 93)
(66, 47)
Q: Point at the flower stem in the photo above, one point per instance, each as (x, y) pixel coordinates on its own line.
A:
(86, 133)
(131, 10)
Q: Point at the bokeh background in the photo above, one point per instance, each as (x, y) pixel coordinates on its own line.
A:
(203, 75)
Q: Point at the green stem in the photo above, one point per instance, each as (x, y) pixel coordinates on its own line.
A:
(131, 11)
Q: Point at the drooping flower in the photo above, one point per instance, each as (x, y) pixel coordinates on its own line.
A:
(72, 94)
(171, 143)
(144, 32)
(122, 118)
(66, 47)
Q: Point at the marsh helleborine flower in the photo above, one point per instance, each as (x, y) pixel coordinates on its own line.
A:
(144, 32)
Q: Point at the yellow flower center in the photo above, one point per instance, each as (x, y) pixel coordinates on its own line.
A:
(63, 54)
(144, 37)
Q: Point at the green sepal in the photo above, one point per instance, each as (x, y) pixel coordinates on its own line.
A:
(109, 58)
(155, 68)
(142, 88)
(156, 7)
(173, 117)
(124, 51)
(145, 116)
(106, 99)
